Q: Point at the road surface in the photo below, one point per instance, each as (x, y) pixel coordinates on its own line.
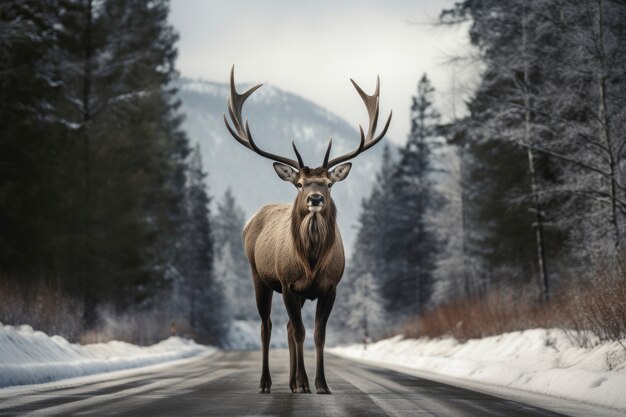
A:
(226, 384)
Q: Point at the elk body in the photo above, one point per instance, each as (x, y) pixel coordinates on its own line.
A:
(296, 249)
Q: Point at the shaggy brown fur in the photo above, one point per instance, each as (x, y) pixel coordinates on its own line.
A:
(310, 256)
(313, 235)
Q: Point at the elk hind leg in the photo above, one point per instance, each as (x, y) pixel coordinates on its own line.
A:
(264, 305)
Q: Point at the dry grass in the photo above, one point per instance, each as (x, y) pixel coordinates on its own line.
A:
(600, 307)
(45, 307)
(595, 311)
(138, 327)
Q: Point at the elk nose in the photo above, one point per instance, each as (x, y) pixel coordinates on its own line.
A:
(316, 199)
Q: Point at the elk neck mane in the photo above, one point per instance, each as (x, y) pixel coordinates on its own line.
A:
(313, 236)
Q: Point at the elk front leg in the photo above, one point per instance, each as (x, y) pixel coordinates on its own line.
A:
(293, 304)
(264, 305)
(293, 363)
(322, 312)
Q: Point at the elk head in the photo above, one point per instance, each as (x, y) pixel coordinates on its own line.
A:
(313, 184)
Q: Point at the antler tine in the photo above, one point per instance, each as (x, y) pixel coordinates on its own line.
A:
(300, 163)
(241, 130)
(330, 145)
(235, 102)
(371, 103)
(367, 141)
(269, 155)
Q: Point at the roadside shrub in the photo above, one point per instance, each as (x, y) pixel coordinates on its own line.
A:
(141, 327)
(590, 311)
(44, 306)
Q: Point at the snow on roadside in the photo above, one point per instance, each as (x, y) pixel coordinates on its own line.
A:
(541, 361)
(33, 357)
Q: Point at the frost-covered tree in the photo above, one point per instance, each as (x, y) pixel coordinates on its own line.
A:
(365, 306)
(551, 85)
(226, 270)
(453, 275)
(229, 251)
(504, 106)
(589, 112)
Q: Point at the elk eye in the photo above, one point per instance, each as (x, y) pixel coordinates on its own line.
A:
(330, 184)
(299, 185)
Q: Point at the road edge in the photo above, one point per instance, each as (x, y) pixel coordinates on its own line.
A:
(561, 405)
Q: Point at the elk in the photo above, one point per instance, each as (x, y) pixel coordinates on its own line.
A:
(296, 249)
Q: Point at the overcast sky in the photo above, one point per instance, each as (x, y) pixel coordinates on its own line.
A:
(312, 48)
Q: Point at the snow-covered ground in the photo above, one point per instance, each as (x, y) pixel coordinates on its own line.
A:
(32, 357)
(539, 361)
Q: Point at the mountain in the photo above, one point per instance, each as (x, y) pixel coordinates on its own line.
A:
(276, 118)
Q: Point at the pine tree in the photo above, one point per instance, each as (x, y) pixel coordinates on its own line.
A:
(31, 144)
(229, 222)
(203, 296)
(372, 244)
(365, 306)
(370, 252)
(100, 186)
(413, 247)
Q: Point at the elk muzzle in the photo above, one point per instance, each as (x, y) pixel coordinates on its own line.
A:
(315, 202)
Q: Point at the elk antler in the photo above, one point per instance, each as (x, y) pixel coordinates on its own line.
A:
(371, 102)
(241, 130)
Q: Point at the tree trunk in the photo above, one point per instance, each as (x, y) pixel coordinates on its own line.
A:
(603, 122)
(538, 224)
(466, 274)
(86, 93)
(89, 315)
(538, 220)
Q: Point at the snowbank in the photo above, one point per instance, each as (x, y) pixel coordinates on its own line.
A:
(540, 361)
(32, 357)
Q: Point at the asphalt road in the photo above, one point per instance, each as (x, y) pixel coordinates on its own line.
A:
(226, 384)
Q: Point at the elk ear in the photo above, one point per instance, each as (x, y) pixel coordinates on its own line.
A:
(341, 172)
(286, 173)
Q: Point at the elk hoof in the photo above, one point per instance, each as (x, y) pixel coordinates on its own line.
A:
(264, 386)
(302, 389)
(323, 391)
